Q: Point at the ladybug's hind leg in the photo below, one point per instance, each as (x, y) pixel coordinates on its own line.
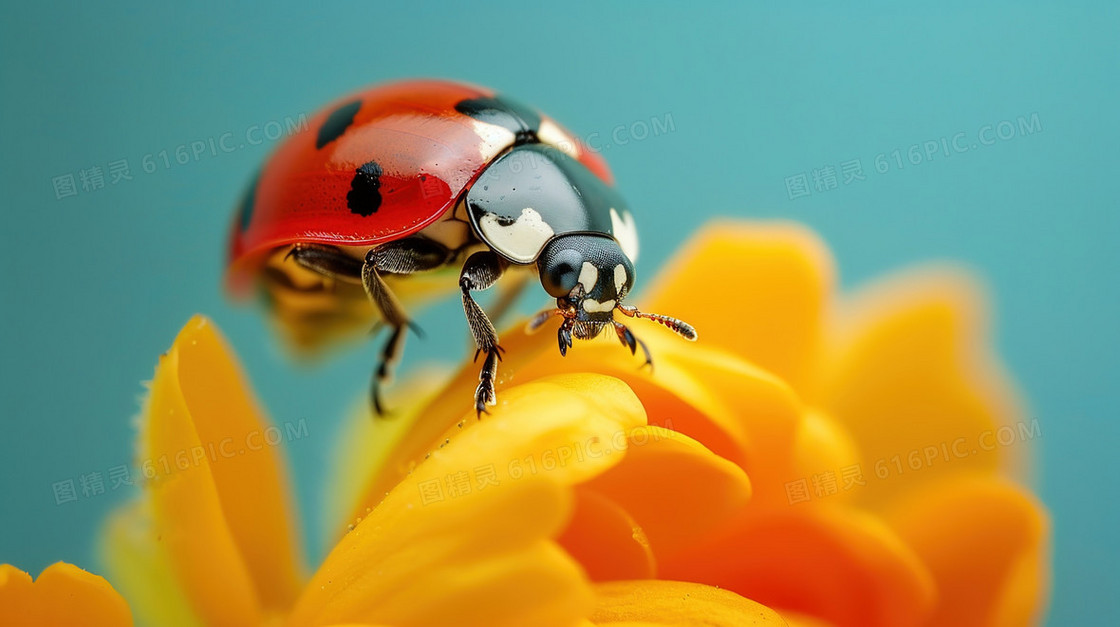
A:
(327, 261)
(401, 257)
(481, 271)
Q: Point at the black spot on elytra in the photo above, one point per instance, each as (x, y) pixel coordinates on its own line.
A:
(248, 203)
(337, 122)
(364, 197)
(519, 119)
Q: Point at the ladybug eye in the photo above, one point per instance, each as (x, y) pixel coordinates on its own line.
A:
(560, 271)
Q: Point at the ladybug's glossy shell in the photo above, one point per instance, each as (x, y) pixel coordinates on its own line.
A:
(377, 166)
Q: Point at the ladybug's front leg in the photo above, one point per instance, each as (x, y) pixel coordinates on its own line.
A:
(480, 271)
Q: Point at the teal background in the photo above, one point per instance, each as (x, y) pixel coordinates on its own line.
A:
(96, 285)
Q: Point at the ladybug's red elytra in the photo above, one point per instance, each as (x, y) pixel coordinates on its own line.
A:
(392, 192)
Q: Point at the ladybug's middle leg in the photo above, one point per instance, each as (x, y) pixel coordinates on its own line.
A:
(482, 270)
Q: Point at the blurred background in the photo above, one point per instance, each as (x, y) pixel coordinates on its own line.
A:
(901, 134)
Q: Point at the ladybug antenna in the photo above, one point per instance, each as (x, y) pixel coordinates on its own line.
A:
(679, 327)
(537, 321)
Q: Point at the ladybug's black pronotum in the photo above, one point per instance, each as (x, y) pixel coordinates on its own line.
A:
(406, 190)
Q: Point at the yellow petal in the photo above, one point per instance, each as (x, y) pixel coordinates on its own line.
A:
(675, 489)
(986, 543)
(140, 567)
(912, 380)
(218, 492)
(479, 559)
(755, 289)
(433, 422)
(366, 443)
(650, 602)
(468, 537)
(834, 564)
(63, 595)
(606, 541)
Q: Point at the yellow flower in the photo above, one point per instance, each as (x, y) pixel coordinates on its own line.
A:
(621, 497)
(213, 540)
(884, 410)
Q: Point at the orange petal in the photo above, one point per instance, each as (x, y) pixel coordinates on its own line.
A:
(986, 543)
(675, 396)
(606, 540)
(794, 619)
(913, 381)
(467, 537)
(737, 410)
(63, 595)
(824, 456)
(652, 602)
(218, 492)
(830, 563)
(756, 289)
(676, 489)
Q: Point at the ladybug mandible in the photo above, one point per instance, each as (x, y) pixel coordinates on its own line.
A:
(414, 188)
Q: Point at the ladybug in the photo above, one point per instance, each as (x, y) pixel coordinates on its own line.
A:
(411, 189)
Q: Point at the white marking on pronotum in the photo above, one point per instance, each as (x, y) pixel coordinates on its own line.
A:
(494, 138)
(521, 241)
(551, 134)
(619, 278)
(588, 276)
(626, 233)
(591, 305)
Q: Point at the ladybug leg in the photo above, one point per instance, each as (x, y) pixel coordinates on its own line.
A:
(511, 287)
(401, 257)
(538, 320)
(481, 270)
(630, 341)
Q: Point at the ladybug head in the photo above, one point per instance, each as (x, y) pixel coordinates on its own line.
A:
(589, 275)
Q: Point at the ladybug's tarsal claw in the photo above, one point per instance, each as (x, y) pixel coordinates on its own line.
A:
(484, 394)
